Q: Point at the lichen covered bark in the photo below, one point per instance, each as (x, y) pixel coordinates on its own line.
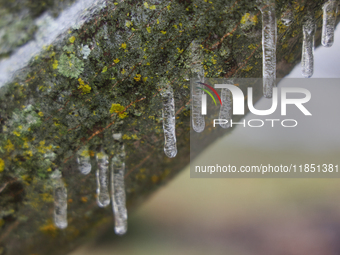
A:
(103, 78)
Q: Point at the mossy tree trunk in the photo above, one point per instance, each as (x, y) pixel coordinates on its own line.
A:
(103, 75)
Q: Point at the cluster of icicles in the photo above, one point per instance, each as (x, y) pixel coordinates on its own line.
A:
(269, 40)
(330, 10)
(110, 172)
(110, 184)
(113, 189)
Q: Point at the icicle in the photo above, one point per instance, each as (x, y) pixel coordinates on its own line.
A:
(118, 196)
(84, 161)
(330, 10)
(269, 37)
(168, 114)
(226, 107)
(60, 200)
(103, 196)
(198, 122)
(307, 60)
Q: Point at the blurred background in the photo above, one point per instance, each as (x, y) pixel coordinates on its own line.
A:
(244, 216)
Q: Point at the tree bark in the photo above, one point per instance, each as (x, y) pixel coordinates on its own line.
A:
(101, 74)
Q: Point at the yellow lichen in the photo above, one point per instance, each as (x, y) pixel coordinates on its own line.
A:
(295, 32)
(128, 23)
(135, 137)
(72, 39)
(248, 68)
(29, 153)
(249, 18)
(85, 153)
(252, 46)
(126, 137)
(55, 64)
(47, 197)
(85, 88)
(26, 145)
(122, 115)
(2, 165)
(9, 146)
(137, 78)
(116, 108)
(81, 82)
(100, 155)
(16, 133)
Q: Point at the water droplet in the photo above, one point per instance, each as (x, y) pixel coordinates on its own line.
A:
(103, 197)
(307, 60)
(60, 200)
(169, 123)
(330, 10)
(226, 107)
(84, 161)
(269, 37)
(118, 195)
